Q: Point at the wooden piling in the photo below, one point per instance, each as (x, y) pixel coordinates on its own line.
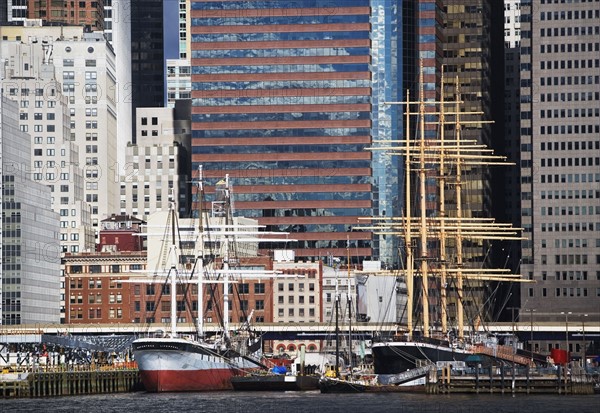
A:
(524, 382)
(60, 382)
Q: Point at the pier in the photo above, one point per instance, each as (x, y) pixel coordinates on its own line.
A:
(509, 380)
(81, 381)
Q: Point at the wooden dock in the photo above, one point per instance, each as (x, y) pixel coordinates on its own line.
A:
(508, 380)
(52, 383)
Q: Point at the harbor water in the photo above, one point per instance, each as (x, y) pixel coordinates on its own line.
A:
(305, 402)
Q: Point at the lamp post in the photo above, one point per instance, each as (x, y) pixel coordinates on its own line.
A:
(584, 344)
(531, 310)
(512, 317)
(567, 329)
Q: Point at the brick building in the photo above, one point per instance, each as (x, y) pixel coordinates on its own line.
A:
(78, 13)
(121, 233)
(95, 287)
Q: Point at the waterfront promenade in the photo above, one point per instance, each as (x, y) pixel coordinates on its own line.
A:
(124, 378)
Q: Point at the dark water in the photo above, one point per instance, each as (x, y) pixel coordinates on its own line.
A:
(305, 402)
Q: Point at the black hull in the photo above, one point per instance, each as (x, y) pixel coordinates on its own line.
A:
(275, 383)
(331, 385)
(341, 386)
(397, 357)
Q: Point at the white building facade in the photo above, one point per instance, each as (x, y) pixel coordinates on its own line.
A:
(156, 168)
(30, 278)
(44, 115)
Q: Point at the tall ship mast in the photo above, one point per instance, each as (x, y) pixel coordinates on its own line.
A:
(434, 244)
(169, 362)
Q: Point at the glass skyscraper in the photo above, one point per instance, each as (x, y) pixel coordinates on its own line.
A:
(286, 97)
(147, 55)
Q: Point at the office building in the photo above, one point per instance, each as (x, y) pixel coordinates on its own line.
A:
(84, 64)
(117, 31)
(13, 10)
(29, 78)
(147, 54)
(297, 298)
(467, 54)
(559, 159)
(511, 147)
(30, 277)
(96, 287)
(157, 169)
(283, 102)
(178, 81)
(89, 14)
(512, 118)
(95, 282)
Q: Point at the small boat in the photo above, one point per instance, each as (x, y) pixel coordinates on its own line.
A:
(275, 382)
(367, 384)
(300, 374)
(409, 381)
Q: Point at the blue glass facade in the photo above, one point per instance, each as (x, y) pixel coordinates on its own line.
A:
(386, 68)
(286, 97)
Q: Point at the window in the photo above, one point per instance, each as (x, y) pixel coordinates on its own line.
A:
(243, 288)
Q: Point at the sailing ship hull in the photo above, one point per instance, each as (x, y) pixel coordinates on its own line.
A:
(178, 365)
(397, 357)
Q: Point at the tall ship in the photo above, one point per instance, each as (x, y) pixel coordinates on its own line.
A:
(434, 264)
(172, 362)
